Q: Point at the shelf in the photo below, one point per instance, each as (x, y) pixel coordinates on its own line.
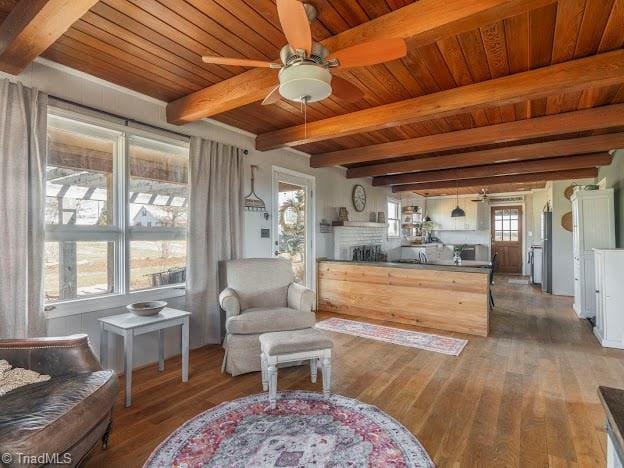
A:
(358, 224)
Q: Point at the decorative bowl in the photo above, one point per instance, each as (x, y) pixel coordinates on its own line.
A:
(146, 308)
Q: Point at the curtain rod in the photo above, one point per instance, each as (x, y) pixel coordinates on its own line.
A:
(121, 117)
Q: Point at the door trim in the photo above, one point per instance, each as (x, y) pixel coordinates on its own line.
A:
(310, 215)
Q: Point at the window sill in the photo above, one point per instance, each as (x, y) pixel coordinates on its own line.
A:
(113, 301)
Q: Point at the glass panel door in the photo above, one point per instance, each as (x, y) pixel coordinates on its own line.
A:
(292, 223)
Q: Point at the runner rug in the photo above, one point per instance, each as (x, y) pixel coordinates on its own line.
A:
(398, 336)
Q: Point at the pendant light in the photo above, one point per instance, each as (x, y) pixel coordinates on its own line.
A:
(457, 211)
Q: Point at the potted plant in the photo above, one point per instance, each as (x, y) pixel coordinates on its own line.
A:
(457, 250)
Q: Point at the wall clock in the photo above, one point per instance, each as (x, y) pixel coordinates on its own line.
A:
(359, 198)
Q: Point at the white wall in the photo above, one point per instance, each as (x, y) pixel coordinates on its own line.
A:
(613, 176)
(333, 190)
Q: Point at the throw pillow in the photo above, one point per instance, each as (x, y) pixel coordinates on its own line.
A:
(11, 378)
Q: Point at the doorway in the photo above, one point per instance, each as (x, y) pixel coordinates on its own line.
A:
(293, 223)
(506, 231)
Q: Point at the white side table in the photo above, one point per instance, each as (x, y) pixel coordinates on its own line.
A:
(130, 325)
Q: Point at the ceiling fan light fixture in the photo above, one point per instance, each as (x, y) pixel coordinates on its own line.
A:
(305, 80)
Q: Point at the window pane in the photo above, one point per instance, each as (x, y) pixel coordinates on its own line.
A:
(514, 224)
(77, 269)
(514, 236)
(393, 228)
(79, 173)
(158, 183)
(157, 263)
(499, 236)
(393, 210)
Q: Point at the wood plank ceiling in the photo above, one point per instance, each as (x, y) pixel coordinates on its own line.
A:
(154, 47)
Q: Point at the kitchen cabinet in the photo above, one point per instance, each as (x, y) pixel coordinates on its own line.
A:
(439, 210)
(593, 227)
(609, 297)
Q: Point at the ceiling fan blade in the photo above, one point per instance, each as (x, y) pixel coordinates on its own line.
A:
(239, 62)
(371, 53)
(295, 24)
(272, 97)
(345, 90)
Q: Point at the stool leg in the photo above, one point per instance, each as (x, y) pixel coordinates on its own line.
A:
(326, 376)
(313, 369)
(272, 385)
(265, 378)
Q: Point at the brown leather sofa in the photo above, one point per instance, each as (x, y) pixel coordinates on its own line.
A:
(64, 417)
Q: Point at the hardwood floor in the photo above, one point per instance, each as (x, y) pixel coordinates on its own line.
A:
(524, 396)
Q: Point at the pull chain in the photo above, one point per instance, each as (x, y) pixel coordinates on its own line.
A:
(304, 109)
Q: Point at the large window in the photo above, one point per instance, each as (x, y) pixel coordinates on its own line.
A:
(115, 212)
(394, 217)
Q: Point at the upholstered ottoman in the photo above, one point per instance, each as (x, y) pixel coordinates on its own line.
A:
(292, 346)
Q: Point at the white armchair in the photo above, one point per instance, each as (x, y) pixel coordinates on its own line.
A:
(260, 296)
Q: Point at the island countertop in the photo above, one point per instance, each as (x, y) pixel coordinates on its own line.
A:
(434, 295)
(466, 266)
(612, 400)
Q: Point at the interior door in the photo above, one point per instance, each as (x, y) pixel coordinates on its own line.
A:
(506, 229)
(293, 224)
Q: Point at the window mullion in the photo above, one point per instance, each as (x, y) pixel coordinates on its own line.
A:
(122, 268)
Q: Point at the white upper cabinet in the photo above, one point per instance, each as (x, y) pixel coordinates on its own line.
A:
(439, 210)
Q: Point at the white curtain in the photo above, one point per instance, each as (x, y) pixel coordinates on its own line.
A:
(215, 230)
(23, 122)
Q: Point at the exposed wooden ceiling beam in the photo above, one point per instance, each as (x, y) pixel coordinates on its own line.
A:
(595, 71)
(512, 179)
(522, 167)
(33, 26)
(421, 23)
(543, 150)
(492, 189)
(551, 125)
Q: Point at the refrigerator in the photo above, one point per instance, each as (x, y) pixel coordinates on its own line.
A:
(547, 252)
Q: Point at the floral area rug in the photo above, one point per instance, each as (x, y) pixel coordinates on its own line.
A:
(398, 336)
(306, 429)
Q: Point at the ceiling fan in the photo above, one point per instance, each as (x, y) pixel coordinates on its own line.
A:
(305, 69)
(483, 196)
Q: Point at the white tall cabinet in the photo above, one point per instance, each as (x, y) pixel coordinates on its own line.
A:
(609, 294)
(593, 227)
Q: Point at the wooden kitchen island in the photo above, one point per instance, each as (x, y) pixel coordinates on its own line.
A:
(439, 295)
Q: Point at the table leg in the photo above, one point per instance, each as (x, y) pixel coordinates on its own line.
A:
(185, 350)
(128, 361)
(161, 350)
(103, 346)
(263, 366)
(313, 368)
(326, 369)
(272, 375)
